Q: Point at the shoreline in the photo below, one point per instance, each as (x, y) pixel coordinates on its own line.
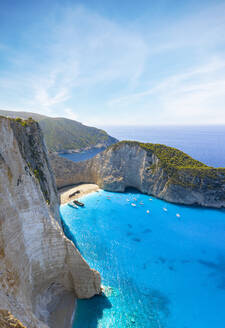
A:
(80, 189)
(63, 308)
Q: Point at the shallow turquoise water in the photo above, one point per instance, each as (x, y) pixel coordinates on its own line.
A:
(159, 270)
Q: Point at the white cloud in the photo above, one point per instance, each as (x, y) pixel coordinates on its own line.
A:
(101, 70)
(202, 30)
(69, 113)
(83, 50)
(192, 97)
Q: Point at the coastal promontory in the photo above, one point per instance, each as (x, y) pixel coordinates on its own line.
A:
(66, 135)
(153, 169)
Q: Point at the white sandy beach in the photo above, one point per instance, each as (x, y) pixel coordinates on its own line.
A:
(83, 189)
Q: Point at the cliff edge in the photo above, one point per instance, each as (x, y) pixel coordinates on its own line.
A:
(38, 264)
(67, 135)
(154, 169)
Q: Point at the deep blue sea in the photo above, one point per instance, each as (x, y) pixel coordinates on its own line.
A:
(205, 143)
(159, 270)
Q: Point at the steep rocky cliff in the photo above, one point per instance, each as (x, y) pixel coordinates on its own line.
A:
(156, 170)
(38, 264)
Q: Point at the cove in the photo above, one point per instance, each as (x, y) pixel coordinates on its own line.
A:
(158, 270)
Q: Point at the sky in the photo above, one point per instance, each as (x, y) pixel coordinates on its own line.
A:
(110, 62)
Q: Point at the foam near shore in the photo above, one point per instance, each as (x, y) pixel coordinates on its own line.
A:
(81, 189)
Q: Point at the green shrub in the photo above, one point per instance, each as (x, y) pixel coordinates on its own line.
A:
(180, 167)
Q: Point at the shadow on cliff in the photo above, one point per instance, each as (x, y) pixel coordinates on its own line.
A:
(89, 312)
(133, 190)
(69, 234)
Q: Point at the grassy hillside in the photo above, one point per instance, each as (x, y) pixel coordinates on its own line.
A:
(177, 164)
(62, 134)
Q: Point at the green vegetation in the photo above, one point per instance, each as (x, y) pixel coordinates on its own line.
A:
(36, 173)
(169, 156)
(24, 122)
(180, 168)
(62, 134)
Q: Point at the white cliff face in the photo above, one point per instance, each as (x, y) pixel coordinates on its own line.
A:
(37, 261)
(127, 164)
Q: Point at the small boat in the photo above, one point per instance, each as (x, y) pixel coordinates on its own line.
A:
(135, 199)
(147, 211)
(132, 204)
(76, 202)
(71, 204)
(128, 200)
(74, 193)
(141, 203)
(165, 209)
(150, 198)
(178, 215)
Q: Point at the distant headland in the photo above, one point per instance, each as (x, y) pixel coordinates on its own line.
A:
(64, 135)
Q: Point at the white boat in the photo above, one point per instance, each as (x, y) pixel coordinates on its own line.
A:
(132, 204)
(128, 200)
(71, 204)
(150, 198)
(178, 215)
(147, 211)
(141, 203)
(165, 209)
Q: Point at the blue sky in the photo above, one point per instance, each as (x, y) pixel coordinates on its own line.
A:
(115, 62)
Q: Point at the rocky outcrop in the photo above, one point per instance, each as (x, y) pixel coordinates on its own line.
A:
(38, 264)
(7, 320)
(156, 170)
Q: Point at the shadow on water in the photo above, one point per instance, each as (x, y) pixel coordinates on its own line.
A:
(217, 270)
(69, 234)
(89, 312)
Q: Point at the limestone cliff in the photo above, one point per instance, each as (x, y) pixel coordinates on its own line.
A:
(156, 170)
(38, 264)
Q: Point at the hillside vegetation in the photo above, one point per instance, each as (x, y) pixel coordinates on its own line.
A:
(176, 163)
(62, 134)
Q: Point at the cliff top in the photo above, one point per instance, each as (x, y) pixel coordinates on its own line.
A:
(31, 144)
(174, 161)
(63, 134)
(23, 122)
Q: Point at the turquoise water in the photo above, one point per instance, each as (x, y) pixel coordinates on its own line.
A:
(158, 270)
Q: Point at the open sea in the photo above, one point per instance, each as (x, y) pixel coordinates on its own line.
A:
(205, 143)
(159, 269)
